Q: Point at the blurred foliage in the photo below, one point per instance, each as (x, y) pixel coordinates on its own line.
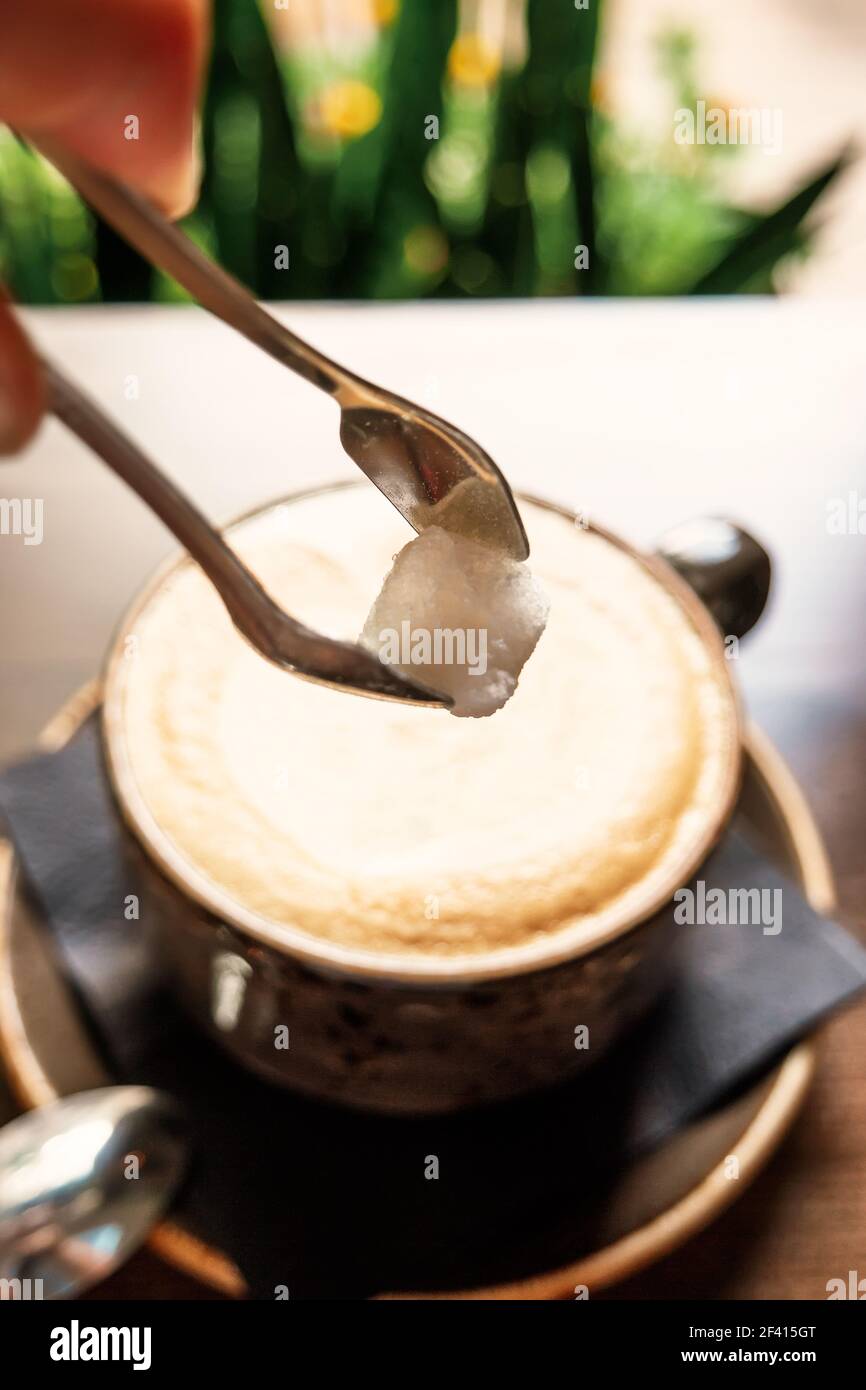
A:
(419, 159)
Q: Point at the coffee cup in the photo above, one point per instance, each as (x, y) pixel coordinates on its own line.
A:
(423, 916)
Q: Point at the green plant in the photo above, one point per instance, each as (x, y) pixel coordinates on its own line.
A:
(422, 163)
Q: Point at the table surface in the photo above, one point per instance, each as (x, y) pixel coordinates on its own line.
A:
(640, 415)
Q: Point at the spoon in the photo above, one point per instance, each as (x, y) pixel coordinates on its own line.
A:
(265, 625)
(415, 458)
(82, 1182)
(430, 470)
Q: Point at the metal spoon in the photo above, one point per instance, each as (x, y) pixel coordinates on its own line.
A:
(82, 1182)
(430, 470)
(266, 626)
(415, 458)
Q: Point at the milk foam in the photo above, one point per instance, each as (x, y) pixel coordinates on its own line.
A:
(387, 828)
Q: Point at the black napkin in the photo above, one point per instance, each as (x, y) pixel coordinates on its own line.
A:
(334, 1204)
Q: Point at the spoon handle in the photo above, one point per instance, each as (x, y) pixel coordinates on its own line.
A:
(167, 247)
(249, 606)
(274, 633)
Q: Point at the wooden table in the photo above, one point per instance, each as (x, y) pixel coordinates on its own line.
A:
(638, 414)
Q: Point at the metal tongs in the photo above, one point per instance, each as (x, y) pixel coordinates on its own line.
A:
(430, 470)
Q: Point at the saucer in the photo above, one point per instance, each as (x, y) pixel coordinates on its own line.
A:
(653, 1204)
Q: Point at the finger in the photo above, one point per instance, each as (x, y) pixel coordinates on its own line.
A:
(22, 392)
(114, 81)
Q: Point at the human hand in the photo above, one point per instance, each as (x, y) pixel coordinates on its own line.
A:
(71, 74)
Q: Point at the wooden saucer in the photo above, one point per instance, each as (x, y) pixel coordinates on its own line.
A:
(654, 1205)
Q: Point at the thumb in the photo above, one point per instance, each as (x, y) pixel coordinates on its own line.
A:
(22, 390)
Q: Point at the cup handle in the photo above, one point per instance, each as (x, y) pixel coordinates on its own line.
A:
(727, 568)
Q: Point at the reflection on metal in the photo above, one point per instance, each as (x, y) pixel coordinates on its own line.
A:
(82, 1182)
(230, 973)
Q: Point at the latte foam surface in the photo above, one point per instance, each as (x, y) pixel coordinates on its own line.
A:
(386, 828)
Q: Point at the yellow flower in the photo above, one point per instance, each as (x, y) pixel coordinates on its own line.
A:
(472, 62)
(350, 109)
(74, 277)
(385, 11)
(425, 250)
(599, 92)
